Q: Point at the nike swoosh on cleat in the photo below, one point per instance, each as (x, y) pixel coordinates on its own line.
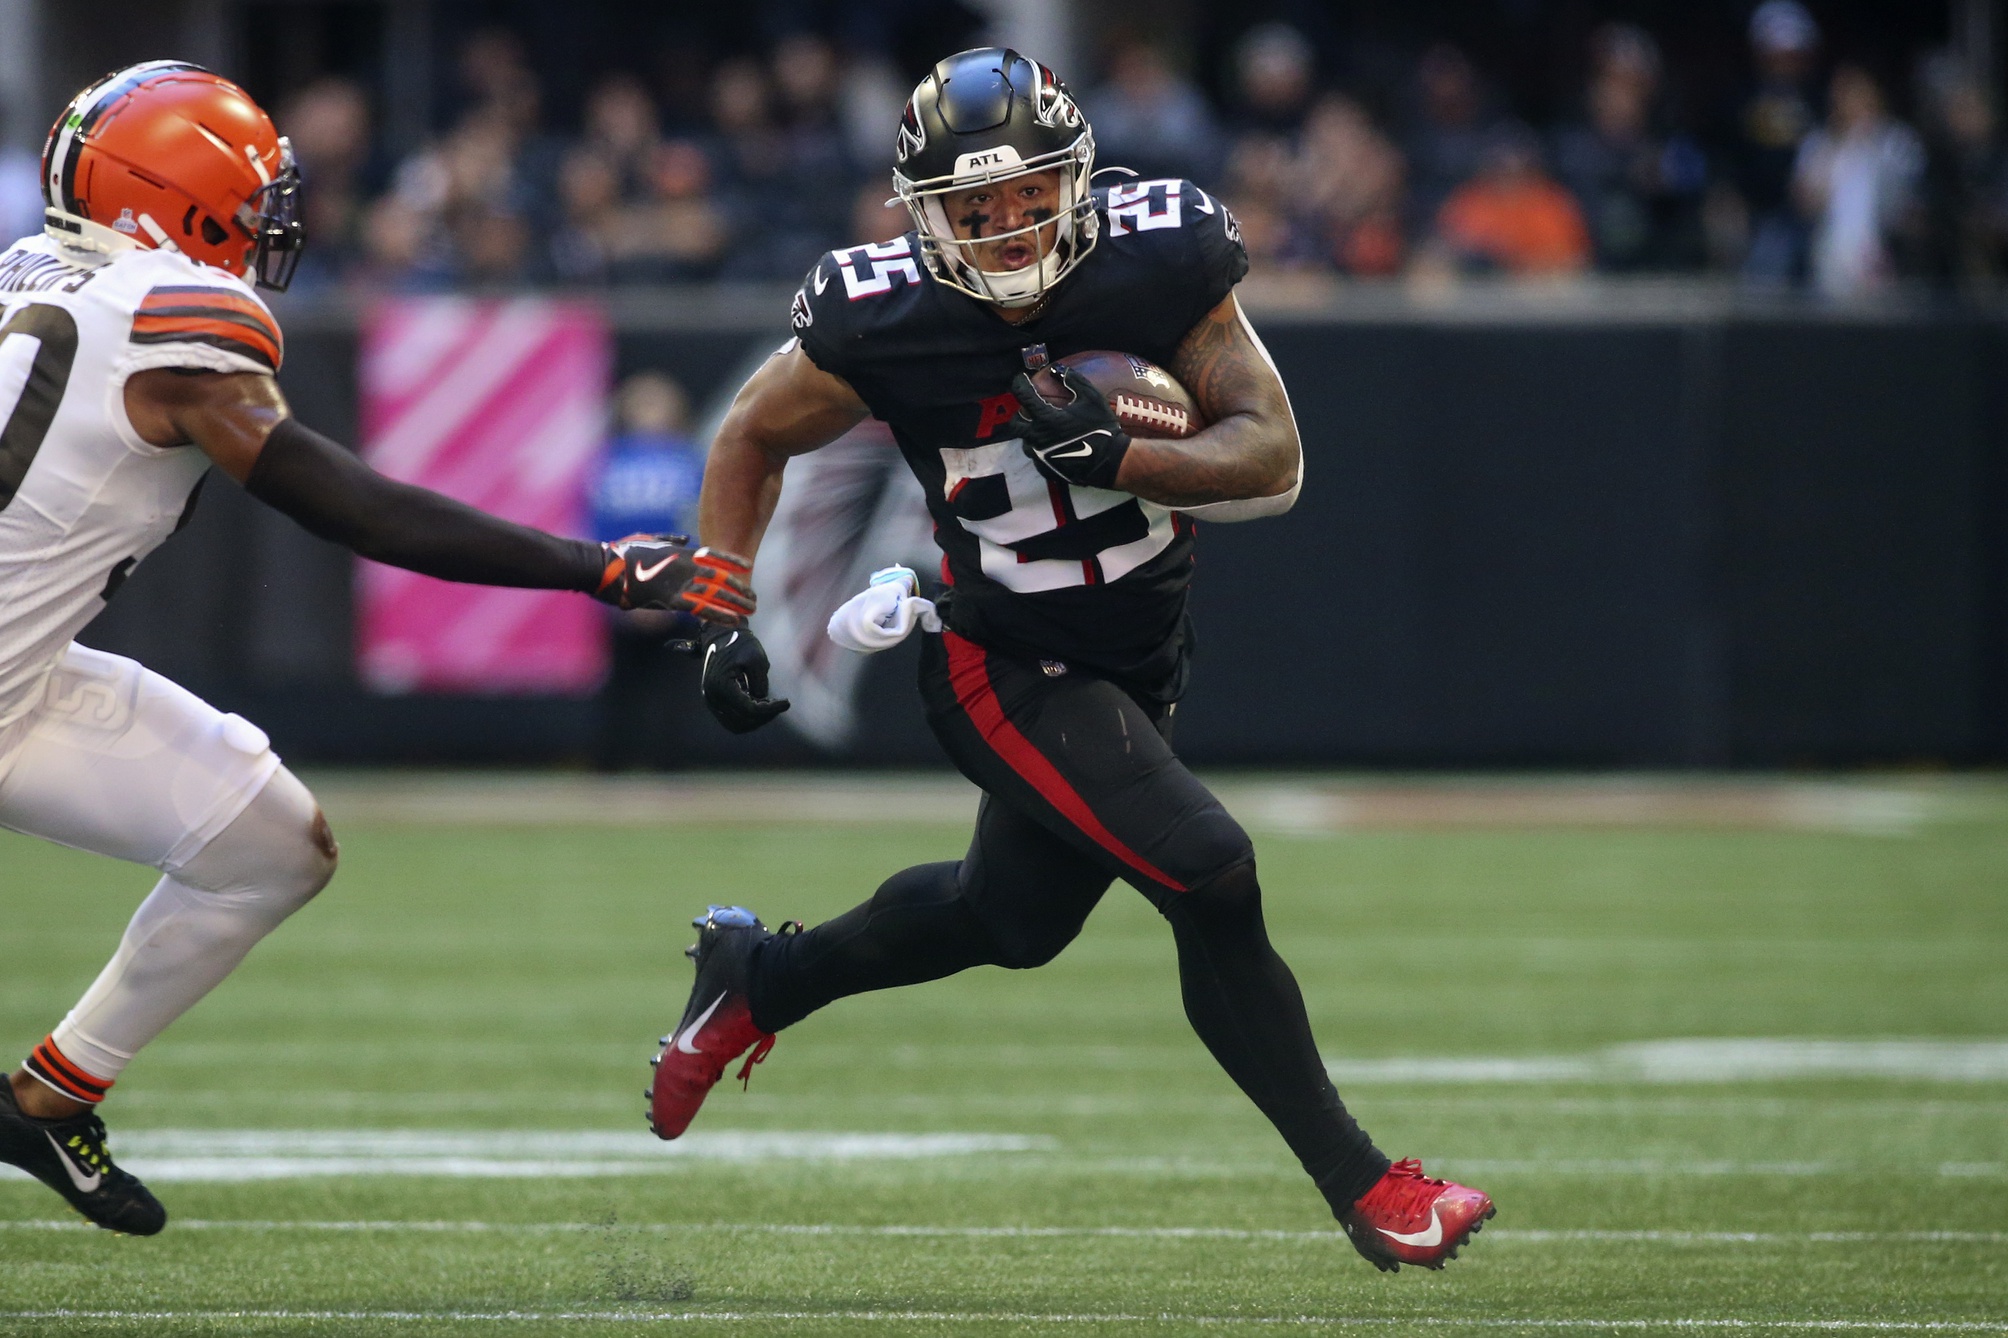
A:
(683, 1041)
(85, 1183)
(1421, 1239)
(650, 573)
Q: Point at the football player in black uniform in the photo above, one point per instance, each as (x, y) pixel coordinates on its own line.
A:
(1068, 550)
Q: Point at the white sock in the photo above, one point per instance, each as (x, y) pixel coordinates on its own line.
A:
(196, 926)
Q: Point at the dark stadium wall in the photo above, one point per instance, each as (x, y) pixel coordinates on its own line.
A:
(1754, 539)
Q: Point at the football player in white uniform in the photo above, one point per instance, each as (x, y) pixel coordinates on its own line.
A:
(134, 355)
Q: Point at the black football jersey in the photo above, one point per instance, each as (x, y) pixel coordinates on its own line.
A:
(1039, 569)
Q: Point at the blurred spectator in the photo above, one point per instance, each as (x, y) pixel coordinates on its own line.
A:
(1856, 180)
(742, 118)
(1149, 118)
(329, 124)
(20, 194)
(1275, 73)
(464, 208)
(454, 214)
(677, 233)
(589, 188)
(1352, 182)
(811, 211)
(647, 479)
(805, 74)
(1639, 184)
(680, 74)
(1513, 217)
(1448, 143)
(670, 233)
(869, 103)
(750, 158)
(1773, 122)
(1965, 186)
(621, 131)
(1264, 189)
(646, 482)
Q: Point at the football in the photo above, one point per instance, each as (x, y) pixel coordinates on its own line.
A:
(1148, 400)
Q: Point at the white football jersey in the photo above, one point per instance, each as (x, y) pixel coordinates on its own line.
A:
(82, 498)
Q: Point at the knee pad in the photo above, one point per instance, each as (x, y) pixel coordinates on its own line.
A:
(278, 852)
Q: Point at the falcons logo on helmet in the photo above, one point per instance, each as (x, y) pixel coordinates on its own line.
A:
(1055, 106)
(912, 134)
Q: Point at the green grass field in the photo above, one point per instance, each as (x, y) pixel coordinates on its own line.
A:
(464, 987)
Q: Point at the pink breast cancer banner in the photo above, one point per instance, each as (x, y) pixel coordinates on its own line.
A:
(501, 404)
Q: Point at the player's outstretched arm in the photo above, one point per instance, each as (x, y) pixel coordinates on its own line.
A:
(1250, 455)
(789, 407)
(241, 421)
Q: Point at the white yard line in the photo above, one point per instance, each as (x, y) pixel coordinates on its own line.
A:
(1704, 1059)
(213, 1156)
(837, 1229)
(967, 1317)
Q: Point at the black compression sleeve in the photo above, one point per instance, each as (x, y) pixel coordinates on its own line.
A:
(339, 498)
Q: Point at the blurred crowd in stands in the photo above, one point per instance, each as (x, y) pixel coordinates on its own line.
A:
(1810, 178)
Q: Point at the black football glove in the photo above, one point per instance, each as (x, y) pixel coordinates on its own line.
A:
(659, 571)
(1077, 442)
(735, 679)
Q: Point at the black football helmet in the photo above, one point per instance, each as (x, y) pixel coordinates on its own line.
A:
(989, 115)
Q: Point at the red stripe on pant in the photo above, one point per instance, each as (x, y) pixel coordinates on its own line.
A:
(969, 672)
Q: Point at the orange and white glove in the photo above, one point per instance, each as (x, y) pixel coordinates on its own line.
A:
(659, 571)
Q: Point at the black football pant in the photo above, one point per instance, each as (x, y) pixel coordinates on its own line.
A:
(1081, 788)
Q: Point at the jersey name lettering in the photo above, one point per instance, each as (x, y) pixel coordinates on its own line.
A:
(1144, 206)
(26, 272)
(888, 260)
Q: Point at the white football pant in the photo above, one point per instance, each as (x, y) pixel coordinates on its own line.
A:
(120, 761)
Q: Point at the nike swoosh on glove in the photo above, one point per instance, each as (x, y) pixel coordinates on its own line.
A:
(735, 679)
(883, 614)
(1076, 442)
(659, 571)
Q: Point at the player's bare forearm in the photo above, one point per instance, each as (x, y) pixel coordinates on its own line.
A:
(742, 485)
(789, 407)
(1251, 447)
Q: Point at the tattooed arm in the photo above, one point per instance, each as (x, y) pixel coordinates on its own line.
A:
(1249, 463)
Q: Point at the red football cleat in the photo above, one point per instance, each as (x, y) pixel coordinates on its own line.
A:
(1408, 1218)
(717, 1025)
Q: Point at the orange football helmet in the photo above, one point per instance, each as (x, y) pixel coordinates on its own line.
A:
(168, 156)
